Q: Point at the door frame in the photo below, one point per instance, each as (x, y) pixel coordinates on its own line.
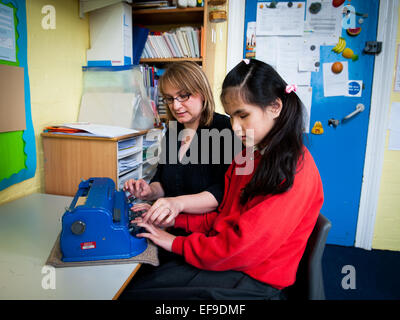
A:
(380, 100)
(378, 122)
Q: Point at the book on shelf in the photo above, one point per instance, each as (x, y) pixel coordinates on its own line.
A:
(183, 42)
(151, 75)
(139, 38)
(150, 4)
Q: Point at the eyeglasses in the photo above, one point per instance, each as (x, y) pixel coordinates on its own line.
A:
(179, 98)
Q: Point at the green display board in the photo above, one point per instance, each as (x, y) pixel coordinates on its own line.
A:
(17, 148)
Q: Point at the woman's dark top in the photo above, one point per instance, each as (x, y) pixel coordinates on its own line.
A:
(196, 172)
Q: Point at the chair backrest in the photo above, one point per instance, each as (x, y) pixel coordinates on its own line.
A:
(309, 278)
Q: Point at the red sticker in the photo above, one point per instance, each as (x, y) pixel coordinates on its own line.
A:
(88, 245)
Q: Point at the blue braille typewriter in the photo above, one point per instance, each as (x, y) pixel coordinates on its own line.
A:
(97, 224)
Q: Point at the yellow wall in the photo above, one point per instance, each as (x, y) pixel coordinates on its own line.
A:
(220, 63)
(217, 56)
(387, 224)
(55, 58)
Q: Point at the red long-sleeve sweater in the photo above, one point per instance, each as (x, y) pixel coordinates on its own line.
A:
(265, 238)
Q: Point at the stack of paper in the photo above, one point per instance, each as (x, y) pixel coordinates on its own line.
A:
(128, 163)
(100, 130)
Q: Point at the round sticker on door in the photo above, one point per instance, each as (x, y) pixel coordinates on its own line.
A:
(354, 88)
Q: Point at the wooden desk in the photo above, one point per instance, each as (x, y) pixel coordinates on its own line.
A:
(68, 159)
(28, 229)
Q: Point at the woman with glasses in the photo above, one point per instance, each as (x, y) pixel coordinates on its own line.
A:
(190, 175)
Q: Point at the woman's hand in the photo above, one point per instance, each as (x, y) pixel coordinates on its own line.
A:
(163, 212)
(139, 188)
(160, 237)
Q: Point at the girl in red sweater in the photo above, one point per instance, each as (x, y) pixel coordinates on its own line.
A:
(251, 246)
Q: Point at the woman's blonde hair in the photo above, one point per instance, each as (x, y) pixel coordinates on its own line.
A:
(188, 76)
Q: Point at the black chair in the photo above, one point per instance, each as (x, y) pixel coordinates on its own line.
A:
(309, 283)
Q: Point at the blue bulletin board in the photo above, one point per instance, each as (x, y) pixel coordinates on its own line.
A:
(17, 148)
(339, 148)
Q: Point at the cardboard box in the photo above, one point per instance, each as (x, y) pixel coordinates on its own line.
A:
(110, 36)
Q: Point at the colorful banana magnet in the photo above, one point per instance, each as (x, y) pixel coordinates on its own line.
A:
(340, 46)
(346, 52)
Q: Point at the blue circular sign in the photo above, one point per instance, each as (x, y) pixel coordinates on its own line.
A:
(354, 88)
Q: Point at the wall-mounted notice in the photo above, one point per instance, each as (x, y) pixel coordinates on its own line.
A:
(7, 34)
(335, 84)
(394, 127)
(354, 88)
(280, 18)
(325, 26)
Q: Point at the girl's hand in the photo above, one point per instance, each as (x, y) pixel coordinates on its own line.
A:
(141, 207)
(160, 237)
(163, 212)
(138, 188)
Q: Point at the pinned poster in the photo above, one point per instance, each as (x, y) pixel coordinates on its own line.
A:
(7, 34)
(290, 51)
(394, 120)
(310, 58)
(280, 18)
(305, 95)
(325, 24)
(394, 127)
(335, 84)
(251, 40)
(354, 88)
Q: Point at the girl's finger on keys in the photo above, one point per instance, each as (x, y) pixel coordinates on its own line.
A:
(146, 216)
(147, 226)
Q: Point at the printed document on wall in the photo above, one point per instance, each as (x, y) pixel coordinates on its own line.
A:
(394, 127)
(305, 95)
(325, 25)
(280, 18)
(284, 54)
(310, 58)
(268, 50)
(289, 53)
(335, 84)
(7, 34)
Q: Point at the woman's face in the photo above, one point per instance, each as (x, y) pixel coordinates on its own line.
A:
(252, 123)
(186, 108)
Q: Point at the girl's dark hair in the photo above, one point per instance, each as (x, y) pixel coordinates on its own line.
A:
(257, 83)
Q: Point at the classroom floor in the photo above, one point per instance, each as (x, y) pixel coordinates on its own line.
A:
(376, 273)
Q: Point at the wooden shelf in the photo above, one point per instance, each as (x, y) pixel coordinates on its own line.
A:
(169, 16)
(166, 60)
(166, 19)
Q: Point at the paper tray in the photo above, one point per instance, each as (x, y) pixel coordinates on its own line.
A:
(150, 256)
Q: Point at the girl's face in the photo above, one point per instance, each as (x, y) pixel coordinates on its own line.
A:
(186, 108)
(252, 123)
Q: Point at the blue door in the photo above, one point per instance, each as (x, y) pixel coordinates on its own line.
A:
(339, 151)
